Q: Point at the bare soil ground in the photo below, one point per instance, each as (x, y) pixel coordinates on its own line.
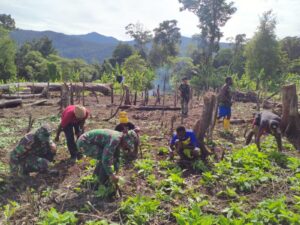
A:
(40, 192)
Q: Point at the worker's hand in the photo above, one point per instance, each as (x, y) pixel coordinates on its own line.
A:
(114, 178)
(53, 147)
(56, 139)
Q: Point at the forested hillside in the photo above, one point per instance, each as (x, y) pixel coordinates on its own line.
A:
(90, 47)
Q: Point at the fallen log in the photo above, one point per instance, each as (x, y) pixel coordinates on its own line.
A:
(77, 87)
(38, 103)
(26, 96)
(10, 103)
(150, 108)
(249, 96)
(4, 88)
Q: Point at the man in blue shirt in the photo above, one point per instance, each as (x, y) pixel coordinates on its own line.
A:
(185, 144)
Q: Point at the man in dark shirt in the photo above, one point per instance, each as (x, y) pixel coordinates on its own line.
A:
(265, 123)
(224, 100)
(185, 91)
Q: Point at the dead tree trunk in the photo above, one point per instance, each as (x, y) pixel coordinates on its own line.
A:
(65, 96)
(112, 93)
(290, 120)
(157, 101)
(71, 94)
(83, 88)
(204, 122)
(127, 95)
(135, 98)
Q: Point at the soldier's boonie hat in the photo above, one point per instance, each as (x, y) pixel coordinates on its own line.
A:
(131, 138)
(80, 111)
(43, 133)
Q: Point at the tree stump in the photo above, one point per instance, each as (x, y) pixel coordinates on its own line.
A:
(127, 95)
(290, 120)
(202, 125)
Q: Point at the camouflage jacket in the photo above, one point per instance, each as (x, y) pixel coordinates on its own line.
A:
(102, 144)
(30, 145)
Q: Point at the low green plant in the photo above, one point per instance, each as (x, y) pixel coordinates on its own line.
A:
(105, 191)
(228, 193)
(139, 209)
(243, 169)
(100, 222)
(144, 166)
(9, 210)
(192, 215)
(200, 166)
(163, 151)
(52, 217)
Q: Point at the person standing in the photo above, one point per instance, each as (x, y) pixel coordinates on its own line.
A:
(185, 91)
(225, 102)
(72, 120)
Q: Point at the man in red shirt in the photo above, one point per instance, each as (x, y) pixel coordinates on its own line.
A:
(72, 119)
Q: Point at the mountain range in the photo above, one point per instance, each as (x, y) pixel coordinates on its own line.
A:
(89, 47)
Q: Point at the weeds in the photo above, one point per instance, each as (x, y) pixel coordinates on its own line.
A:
(139, 209)
(9, 210)
(54, 217)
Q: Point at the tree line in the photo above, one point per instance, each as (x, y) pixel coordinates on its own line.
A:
(262, 62)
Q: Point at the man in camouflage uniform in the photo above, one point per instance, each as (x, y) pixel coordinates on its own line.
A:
(104, 145)
(33, 152)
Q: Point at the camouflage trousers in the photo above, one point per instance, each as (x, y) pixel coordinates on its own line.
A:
(29, 164)
(102, 176)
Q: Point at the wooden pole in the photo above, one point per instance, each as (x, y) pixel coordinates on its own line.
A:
(83, 102)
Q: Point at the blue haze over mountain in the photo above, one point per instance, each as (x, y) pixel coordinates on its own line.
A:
(90, 47)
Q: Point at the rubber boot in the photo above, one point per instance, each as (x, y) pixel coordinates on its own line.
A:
(226, 124)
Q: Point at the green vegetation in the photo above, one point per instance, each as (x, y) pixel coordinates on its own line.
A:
(139, 209)
(53, 217)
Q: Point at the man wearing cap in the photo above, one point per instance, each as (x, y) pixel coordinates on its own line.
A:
(104, 145)
(185, 144)
(185, 91)
(33, 152)
(72, 119)
(265, 123)
(124, 123)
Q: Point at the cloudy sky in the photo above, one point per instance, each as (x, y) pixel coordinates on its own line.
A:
(109, 17)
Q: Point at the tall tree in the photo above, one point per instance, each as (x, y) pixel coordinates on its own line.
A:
(44, 46)
(7, 56)
(166, 39)
(120, 53)
(291, 45)
(263, 53)
(141, 37)
(212, 15)
(7, 22)
(238, 61)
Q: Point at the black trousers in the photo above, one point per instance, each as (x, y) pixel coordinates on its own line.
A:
(70, 137)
